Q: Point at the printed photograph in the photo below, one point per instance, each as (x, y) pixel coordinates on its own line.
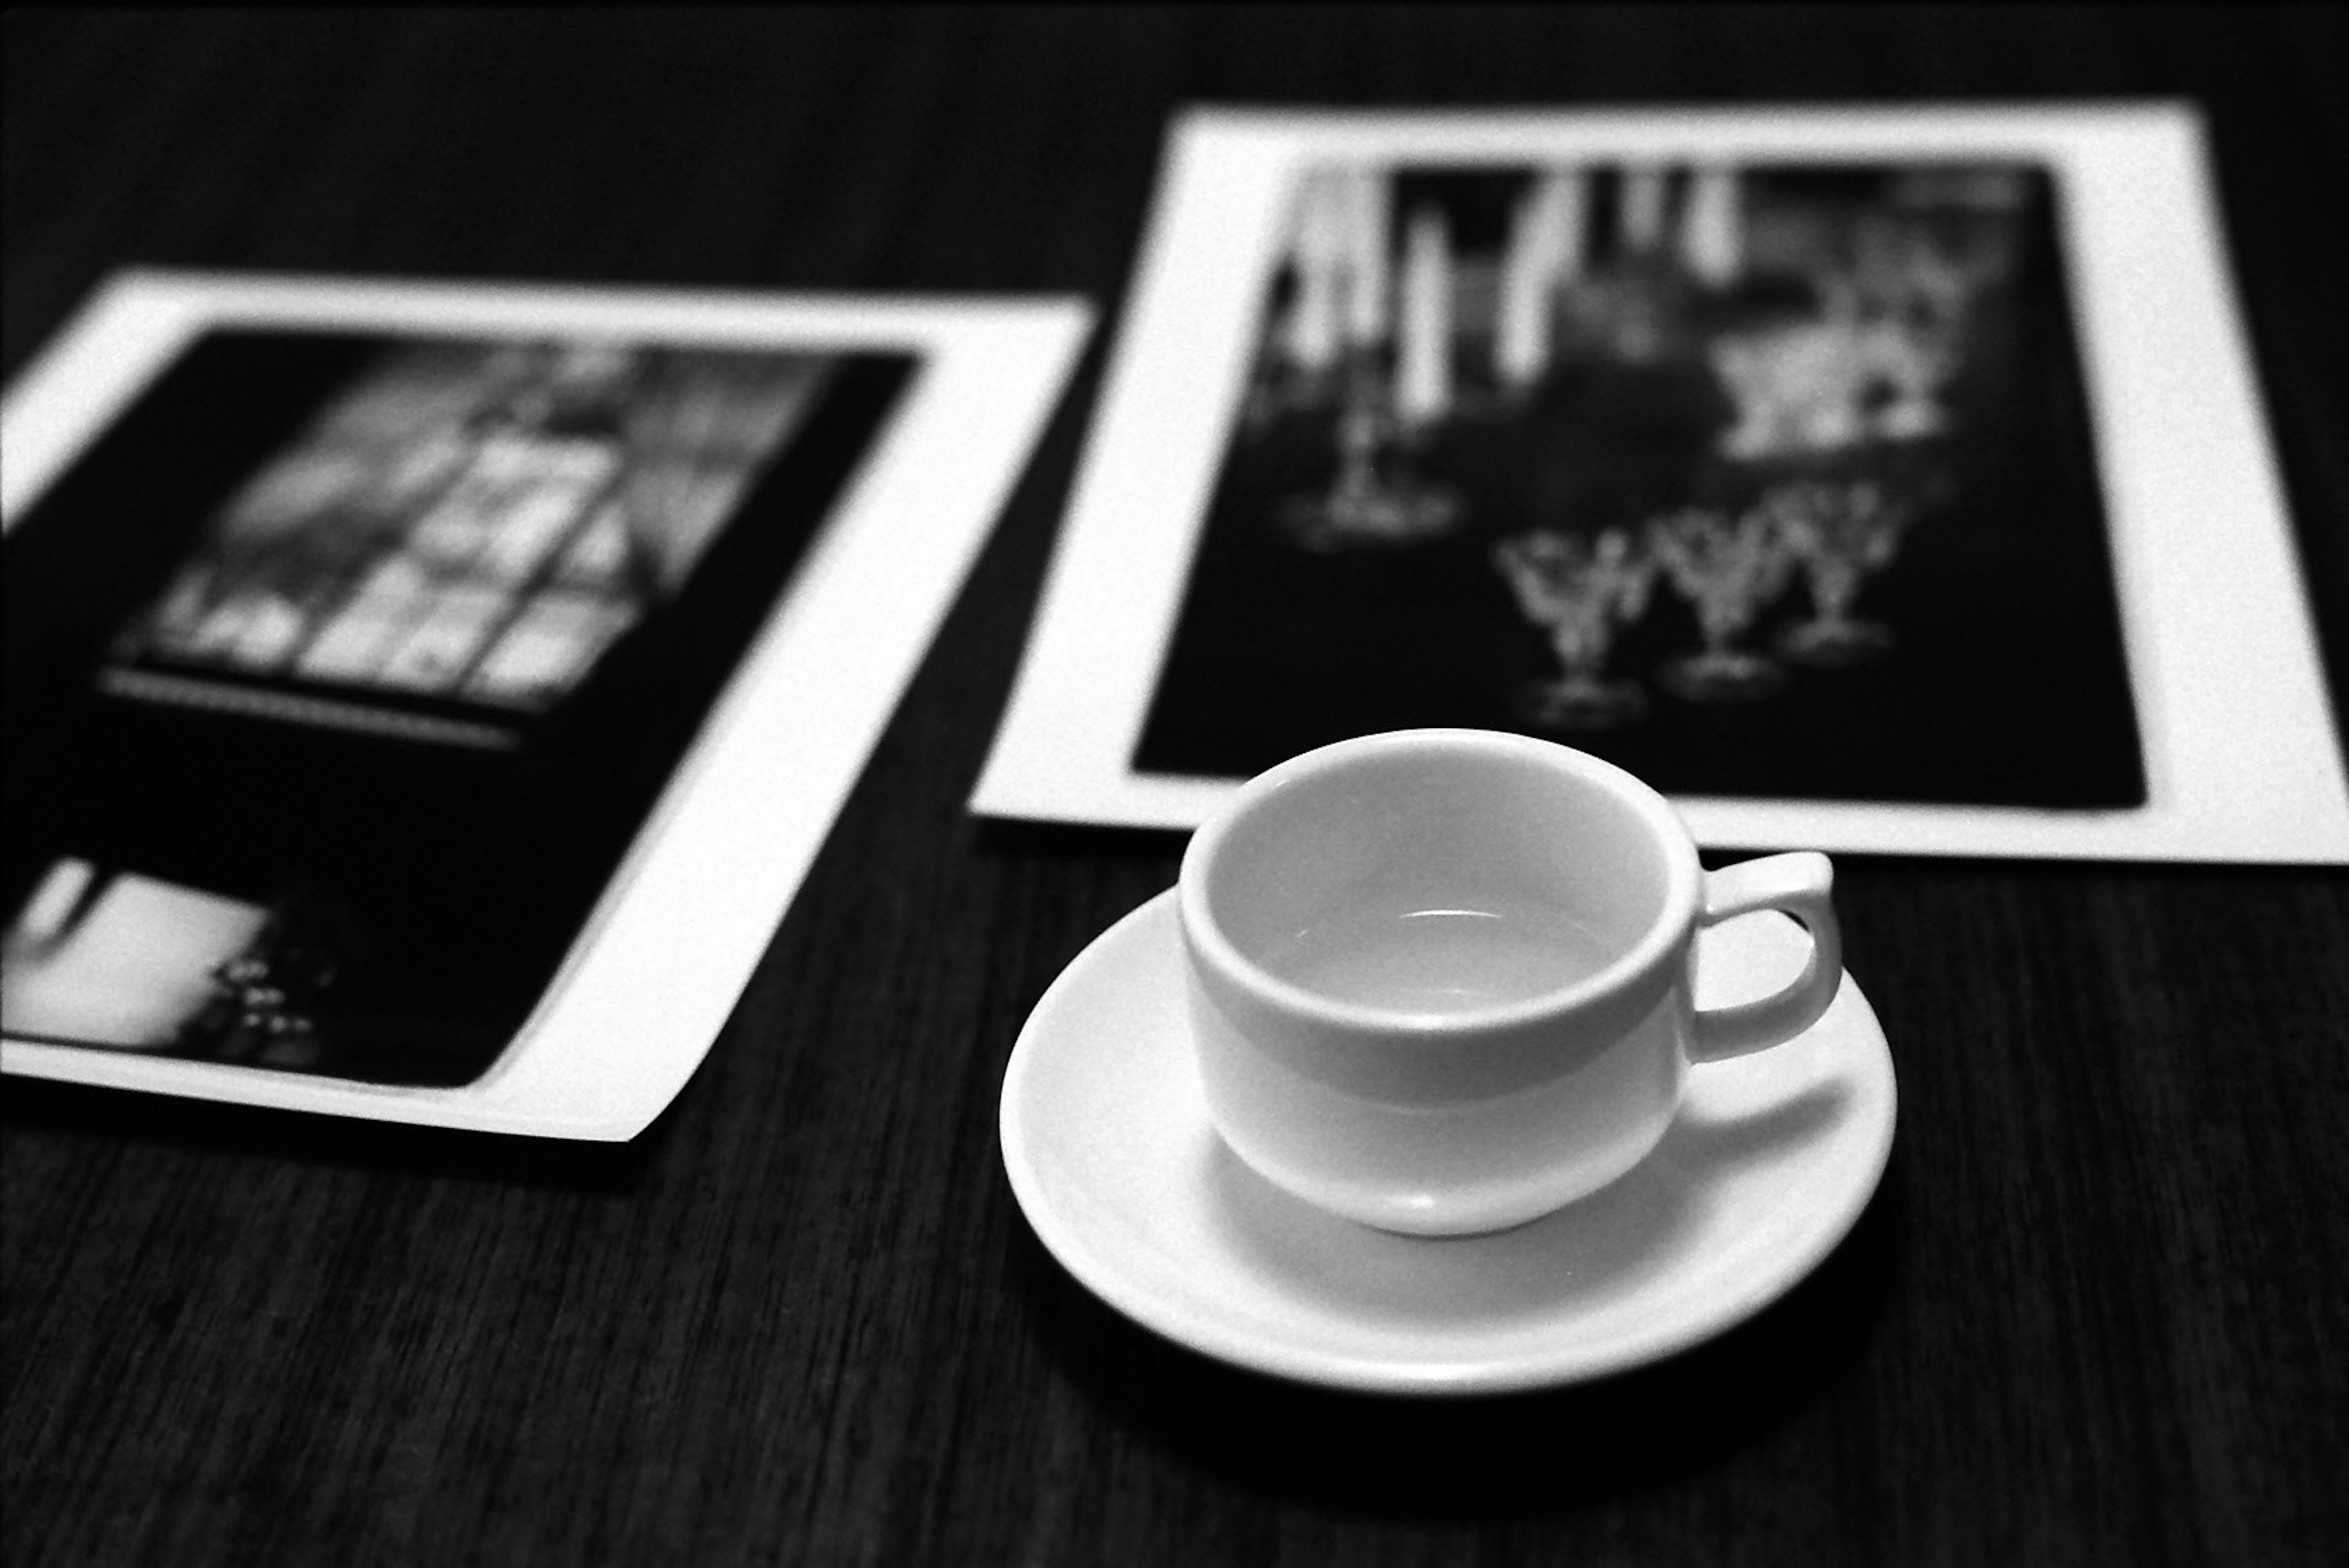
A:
(343, 668)
(1766, 479)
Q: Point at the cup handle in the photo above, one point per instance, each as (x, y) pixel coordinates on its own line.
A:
(1797, 884)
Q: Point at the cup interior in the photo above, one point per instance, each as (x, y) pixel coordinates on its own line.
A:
(1460, 830)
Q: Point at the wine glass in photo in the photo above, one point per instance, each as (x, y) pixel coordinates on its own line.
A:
(1841, 534)
(1388, 404)
(1375, 500)
(1728, 570)
(1578, 591)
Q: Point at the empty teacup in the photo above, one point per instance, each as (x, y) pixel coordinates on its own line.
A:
(1440, 979)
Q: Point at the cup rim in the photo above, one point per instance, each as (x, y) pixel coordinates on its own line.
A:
(1682, 876)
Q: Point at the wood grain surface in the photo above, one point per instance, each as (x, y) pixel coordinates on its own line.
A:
(2097, 1313)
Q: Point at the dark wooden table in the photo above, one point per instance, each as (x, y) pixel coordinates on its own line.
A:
(2097, 1313)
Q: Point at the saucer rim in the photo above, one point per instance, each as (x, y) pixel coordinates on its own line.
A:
(1131, 1295)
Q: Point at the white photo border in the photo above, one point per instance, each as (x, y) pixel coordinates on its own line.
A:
(2243, 761)
(647, 987)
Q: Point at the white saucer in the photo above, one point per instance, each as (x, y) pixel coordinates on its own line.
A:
(1110, 1152)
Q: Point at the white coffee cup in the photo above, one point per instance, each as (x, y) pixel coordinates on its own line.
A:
(1440, 980)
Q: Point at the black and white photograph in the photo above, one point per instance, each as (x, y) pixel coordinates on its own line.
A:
(352, 663)
(412, 678)
(1764, 480)
(1803, 465)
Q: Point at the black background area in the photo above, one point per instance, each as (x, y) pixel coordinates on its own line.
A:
(2009, 685)
(458, 876)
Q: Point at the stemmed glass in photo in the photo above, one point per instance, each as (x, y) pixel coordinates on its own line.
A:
(1387, 341)
(1841, 534)
(1728, 571)
(1375, 500)
(1578, 591)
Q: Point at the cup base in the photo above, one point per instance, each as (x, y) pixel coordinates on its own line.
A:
(1456, 1213)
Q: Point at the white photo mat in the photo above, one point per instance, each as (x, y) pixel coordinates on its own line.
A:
(2240, 757)
(650, 980)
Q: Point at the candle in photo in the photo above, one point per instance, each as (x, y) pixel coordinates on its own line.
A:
(1424, 380)
(1641, 220)
(1561, 204)
(1317, 253)
(1521, 337)
(1713, 235)
(1366, 307)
